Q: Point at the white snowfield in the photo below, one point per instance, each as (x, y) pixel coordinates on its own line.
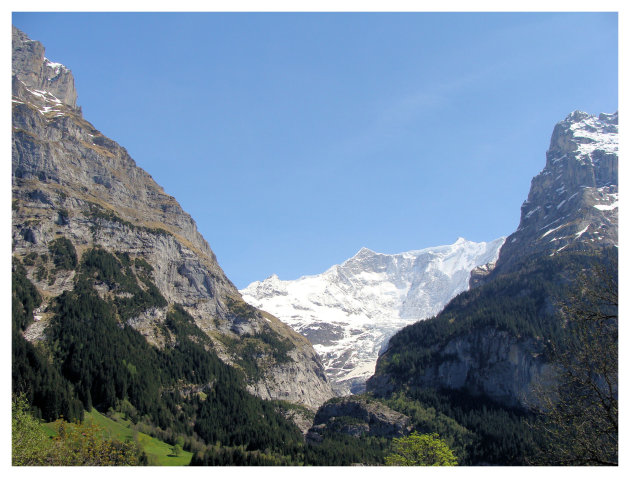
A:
(350, 311)
(592, 133)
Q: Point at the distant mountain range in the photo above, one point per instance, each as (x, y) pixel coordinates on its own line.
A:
(352, 309)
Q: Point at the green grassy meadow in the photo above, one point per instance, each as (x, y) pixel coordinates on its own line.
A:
(158, 452)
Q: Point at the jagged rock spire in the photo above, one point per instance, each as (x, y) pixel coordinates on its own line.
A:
(38, 73)
(572, 203)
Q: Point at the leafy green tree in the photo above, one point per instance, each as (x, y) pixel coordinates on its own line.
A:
(421, 450)
(176, 449)
(29, 441)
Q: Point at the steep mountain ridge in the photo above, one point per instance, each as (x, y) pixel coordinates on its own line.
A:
(70, 181)
(350, 311)
(573, 202)
(493, 340)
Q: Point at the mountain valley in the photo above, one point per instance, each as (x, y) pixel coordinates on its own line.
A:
(121, 313)
(350, 311)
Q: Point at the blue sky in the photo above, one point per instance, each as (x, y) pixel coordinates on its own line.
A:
(294, 140)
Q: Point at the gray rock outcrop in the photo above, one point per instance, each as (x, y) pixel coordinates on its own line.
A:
(38, 73)
(487, 362)
(358, 416)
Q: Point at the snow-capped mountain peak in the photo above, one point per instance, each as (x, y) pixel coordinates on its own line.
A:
(349, 311)
(590, 133)
(573, 202)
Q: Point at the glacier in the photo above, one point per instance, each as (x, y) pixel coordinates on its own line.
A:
(350, 311)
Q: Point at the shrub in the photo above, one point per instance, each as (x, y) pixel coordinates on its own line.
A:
(421, 450)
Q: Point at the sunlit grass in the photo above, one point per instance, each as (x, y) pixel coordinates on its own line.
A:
(158, 452)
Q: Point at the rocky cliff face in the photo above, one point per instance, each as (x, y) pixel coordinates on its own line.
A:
(513, 366)
(39, 74)
(488, 362)
(357, 416)
(71, 181)
(572, 203)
